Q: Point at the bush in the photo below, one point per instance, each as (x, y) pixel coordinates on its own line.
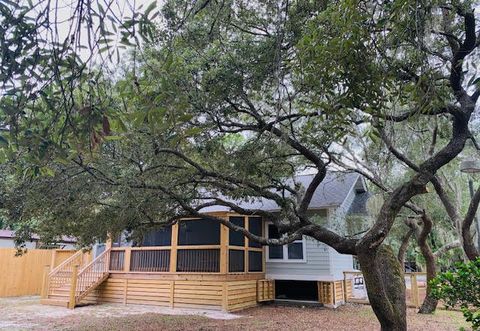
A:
(461, 287)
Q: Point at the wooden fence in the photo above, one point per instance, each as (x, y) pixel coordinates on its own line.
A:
(22, 275)
(415, 286)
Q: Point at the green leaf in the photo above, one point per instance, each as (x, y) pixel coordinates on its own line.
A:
(112, 138)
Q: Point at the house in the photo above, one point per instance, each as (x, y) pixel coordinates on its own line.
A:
(200, 263)
(7, 240)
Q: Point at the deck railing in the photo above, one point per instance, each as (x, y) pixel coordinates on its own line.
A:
(89, 277)
(198, 260)
(62, 274)
(159, 259)
(153, 260)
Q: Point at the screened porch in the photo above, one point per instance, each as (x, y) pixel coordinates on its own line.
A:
(194, 246)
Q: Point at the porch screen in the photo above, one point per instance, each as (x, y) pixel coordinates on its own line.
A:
(255, 227)
(161, 237)
(236, 260)
(255, 262)
(202, 231)
(236, 238)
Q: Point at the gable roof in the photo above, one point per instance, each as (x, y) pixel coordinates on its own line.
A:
(331, 192)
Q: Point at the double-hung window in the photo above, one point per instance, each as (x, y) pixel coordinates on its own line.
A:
(293, 252)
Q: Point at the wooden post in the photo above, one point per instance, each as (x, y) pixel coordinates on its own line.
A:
(225, 296)
(172, 294)
(246, 224)
(334, 293)
(223, 249)
(45, 282)
(127, 259)
(73, 287)
(414, 285)
(173, 250)
(108, 244)
(54, 257)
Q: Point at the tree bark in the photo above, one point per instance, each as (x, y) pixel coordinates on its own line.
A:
(384, 279)
(403, 248)
(422, 231)
(429, 305)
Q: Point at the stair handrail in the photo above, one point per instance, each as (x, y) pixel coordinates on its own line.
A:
(108, 250)
(64, 263)
(84, 285)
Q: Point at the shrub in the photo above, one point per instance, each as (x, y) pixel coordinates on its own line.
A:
(461, 287)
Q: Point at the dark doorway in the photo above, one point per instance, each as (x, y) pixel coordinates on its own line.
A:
(296, 290)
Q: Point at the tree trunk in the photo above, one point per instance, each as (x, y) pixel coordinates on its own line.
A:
(403, 248)
(385, 284)
(429, 304)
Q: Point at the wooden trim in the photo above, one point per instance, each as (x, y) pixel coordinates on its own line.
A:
(201, 246)
(143, 248)
(185, 276)
(173, 252)
(238, 248)
(246, 222)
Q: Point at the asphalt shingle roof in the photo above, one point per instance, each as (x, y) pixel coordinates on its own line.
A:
(330, 193)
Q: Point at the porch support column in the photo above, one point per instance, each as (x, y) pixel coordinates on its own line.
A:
(223, 249)
(173, 250)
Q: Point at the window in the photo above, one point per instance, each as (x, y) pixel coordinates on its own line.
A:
(162, 237)
(199, 232)
(237, 238)
(255, 227)
(293, 252)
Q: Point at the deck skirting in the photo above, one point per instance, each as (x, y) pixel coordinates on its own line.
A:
(216, 292)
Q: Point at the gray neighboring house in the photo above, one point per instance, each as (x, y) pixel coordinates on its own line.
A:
(7, 240)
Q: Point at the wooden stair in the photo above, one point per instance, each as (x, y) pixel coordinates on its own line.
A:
(67, 286)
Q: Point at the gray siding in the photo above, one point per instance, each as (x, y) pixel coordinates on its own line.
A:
(339, 263)
(315, 268)
(322, 261)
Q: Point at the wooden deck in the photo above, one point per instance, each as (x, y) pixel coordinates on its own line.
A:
(221, 276)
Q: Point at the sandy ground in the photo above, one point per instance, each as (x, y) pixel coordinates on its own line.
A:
(25, 313)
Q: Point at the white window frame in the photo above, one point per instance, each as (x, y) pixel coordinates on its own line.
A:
(285, 249)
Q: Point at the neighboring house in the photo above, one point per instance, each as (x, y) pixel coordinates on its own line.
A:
(7, 240)
(200, 263)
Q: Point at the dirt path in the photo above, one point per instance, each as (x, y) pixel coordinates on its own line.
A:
(27, 314)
